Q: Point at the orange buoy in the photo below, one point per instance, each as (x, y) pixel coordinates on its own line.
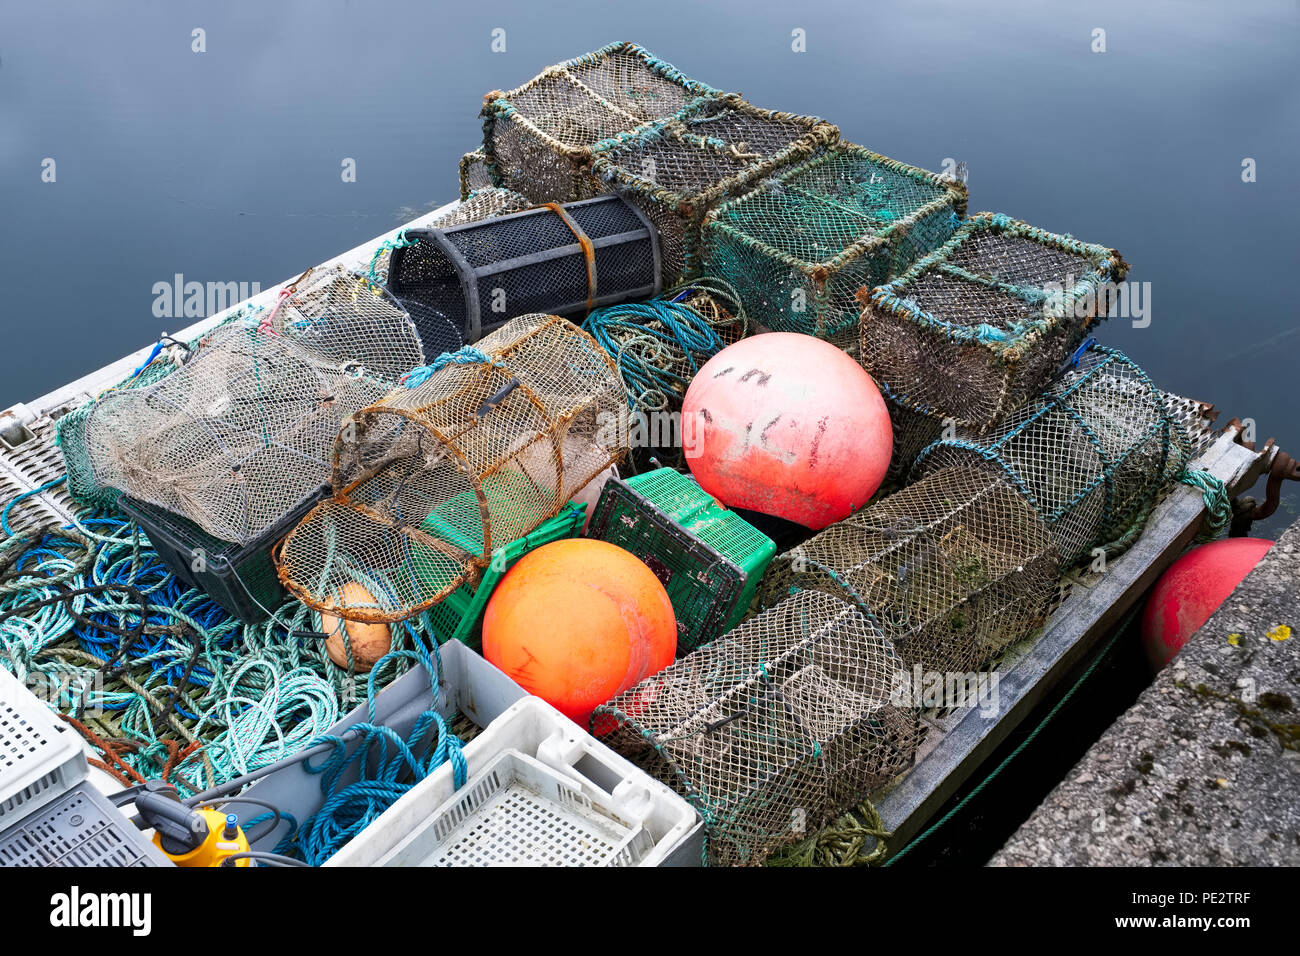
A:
(787, 425)
(369, 642)
(1191, 590)
(576, 622)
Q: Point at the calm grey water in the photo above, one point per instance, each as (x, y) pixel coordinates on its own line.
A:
(225, 166)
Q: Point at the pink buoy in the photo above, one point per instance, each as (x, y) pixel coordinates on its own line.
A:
(787, 425)
(1191, 590)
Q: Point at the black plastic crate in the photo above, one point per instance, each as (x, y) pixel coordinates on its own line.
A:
(557, 260)
(240, 578)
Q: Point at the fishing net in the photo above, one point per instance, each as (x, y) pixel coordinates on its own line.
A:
(976, 329)
(913, 433)
(800, 245)
(537, 139)
(555, 259)
(953, 569)
(242, 432)
(678, 169)
(474, 174)
(773, 728)
(1091, 455)
(480, 448)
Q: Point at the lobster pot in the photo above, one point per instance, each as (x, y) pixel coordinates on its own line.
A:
(974, 330)
(243, 431)
(1091, 455)
(800, 245)
(474, 174)
(913, 433)
(559, 260)
(537, 139)
(952, 569)
(774, 728)
(431, 480)
(680, 168)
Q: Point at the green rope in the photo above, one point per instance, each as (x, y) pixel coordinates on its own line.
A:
(1217, 503)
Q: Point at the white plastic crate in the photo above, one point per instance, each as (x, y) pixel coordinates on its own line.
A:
(40, 756)
(78, 829)
(541, 791)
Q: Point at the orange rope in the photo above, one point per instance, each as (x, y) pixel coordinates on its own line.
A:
(588, 250)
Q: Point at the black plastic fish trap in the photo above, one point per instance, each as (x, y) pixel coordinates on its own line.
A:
(975, 329)
(557, 260)
(538, 138)
(1091, 455)
(953, 569)
(773, 729)
(800, 244)
(678, 169)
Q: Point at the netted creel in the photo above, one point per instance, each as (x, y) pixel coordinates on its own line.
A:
(913, 433)
(474, 173)
(801, 243)
(557, 259)
(975, 329)
(1092, 454)
(476, 450)
(953, 569)
(243, 431)
(679, 168)
(772, 729)
(537, 138)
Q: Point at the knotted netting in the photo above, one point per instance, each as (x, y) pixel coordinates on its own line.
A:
(953, 569)
(678, 169)
(482, 447)
(800, 244)
(772, 729)
(976, 328)
(538, 138)
(1091, 454)
(242, 432)
(474, 173)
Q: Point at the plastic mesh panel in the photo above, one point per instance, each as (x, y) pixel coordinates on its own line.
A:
(429, 480)
(1091, 454)
(976, 329)
(773, 728)
(242, 433)
(799, 246)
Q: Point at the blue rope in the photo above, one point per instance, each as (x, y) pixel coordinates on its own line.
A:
(467, 355)
(4, 515)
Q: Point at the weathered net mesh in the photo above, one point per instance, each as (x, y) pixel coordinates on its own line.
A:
(976, 329)
(678, 169)
(800, 245)
(773, 728)
(953, 568)
(537, 138)
(475, 174)
(555, 259)
(913, 433)
(487, 443)
(1090, 455)
(242, 432)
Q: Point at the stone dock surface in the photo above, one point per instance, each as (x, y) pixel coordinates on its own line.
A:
(1204, 769)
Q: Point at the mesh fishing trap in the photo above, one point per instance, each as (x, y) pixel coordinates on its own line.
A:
(678, 169)
(474, 173)
(538, 138)
(241, 433)
(800, 244)
(708, 558)
(480, 448)
(555, 259)
(953, 568)
(1091, 455)
(976, 328)
(772, 729)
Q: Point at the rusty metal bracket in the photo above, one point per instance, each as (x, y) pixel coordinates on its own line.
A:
(1284, 468)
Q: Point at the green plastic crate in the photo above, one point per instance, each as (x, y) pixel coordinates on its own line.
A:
(459, 616)
(709, 559)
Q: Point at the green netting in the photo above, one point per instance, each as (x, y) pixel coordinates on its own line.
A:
(800, 245)
(975, 329)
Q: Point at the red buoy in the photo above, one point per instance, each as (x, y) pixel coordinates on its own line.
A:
(1191, 590)
(787, 425)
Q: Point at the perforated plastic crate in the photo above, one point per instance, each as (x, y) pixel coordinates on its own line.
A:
(708, 558)
(241, 578)
(40, 756)
(541, 791)
(557, 259)
(79, 829)
(459, 616)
